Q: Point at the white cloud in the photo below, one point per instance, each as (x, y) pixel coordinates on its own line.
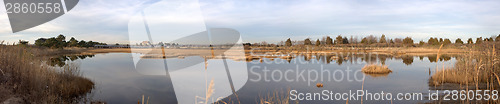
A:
(274, 20)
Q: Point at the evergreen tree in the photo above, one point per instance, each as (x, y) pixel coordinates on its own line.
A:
(339, 40)
(382, 39)
(318, 42)
(469, 41)
(307, 42)
(479, 40)
(459, 41)
(329, 41)
(446, 41)
(345, 40)
(288, 42)
(73, 42)
(408, 41)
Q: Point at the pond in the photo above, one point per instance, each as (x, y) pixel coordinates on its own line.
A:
(119, 79)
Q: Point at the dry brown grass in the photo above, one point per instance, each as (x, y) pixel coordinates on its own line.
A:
(472, 68)
(277, 97)
(31, 79)
(376, 69)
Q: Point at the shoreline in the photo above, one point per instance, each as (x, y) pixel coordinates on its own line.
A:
(189, 52)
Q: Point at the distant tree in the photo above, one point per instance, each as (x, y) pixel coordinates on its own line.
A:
(469, 41)
(82, 44)
(40, 42)
(459, 41)
(421, 43)
(446, 41)
(288, 42)
(61, 37)
(364, 41)
(307, 42)
(382, 39)
(479, 40)
(317, 43)
(22, 42)
(73, 42)
(433, 41)
(339, 40)
(345, 40)
(497, 38)
(408, 41)
(53, 43)
(440, 40)
(329, 41)
(61, 40)
(392, 42)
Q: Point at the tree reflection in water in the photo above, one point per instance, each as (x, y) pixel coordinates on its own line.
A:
(341, 58)
(61, 60)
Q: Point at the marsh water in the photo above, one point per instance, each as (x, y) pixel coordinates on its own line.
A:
(117, 79)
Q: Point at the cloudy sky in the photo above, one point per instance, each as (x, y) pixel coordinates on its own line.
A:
(275, 20)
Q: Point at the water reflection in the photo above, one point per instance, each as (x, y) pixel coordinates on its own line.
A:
(127, 85)
(61, 60)
(340, 58)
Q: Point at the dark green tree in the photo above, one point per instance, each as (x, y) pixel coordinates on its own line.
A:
(459, 41)
(408, 41)
(329, 41)
(345, 40)
(288, 42)
(479, 40)
(41, 42)
(339, 40)
(73, 42)
(469, 41)
(318, 43)
(382, 39)
(446, 41)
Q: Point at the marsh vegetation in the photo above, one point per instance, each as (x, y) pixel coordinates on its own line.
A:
(30, 79)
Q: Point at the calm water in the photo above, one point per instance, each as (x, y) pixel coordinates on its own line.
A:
(118, 80)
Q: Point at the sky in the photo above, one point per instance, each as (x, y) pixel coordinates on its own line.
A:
(276, 20)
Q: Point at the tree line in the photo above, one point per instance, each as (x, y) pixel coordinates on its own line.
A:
(384, 41)
(60, 42)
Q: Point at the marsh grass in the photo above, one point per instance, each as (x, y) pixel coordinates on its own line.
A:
(31, 79)
(477, 69)
(479, 65)
(376, 69)
(277, 97)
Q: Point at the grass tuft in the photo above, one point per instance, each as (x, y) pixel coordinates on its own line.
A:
(376, 69)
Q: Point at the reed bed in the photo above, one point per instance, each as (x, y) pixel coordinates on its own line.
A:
(477, 69)
(479, 65)
(29, 78)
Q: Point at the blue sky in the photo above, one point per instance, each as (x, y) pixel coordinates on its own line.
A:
(276, 20)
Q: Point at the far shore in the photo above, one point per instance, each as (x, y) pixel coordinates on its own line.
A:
(398, 51)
